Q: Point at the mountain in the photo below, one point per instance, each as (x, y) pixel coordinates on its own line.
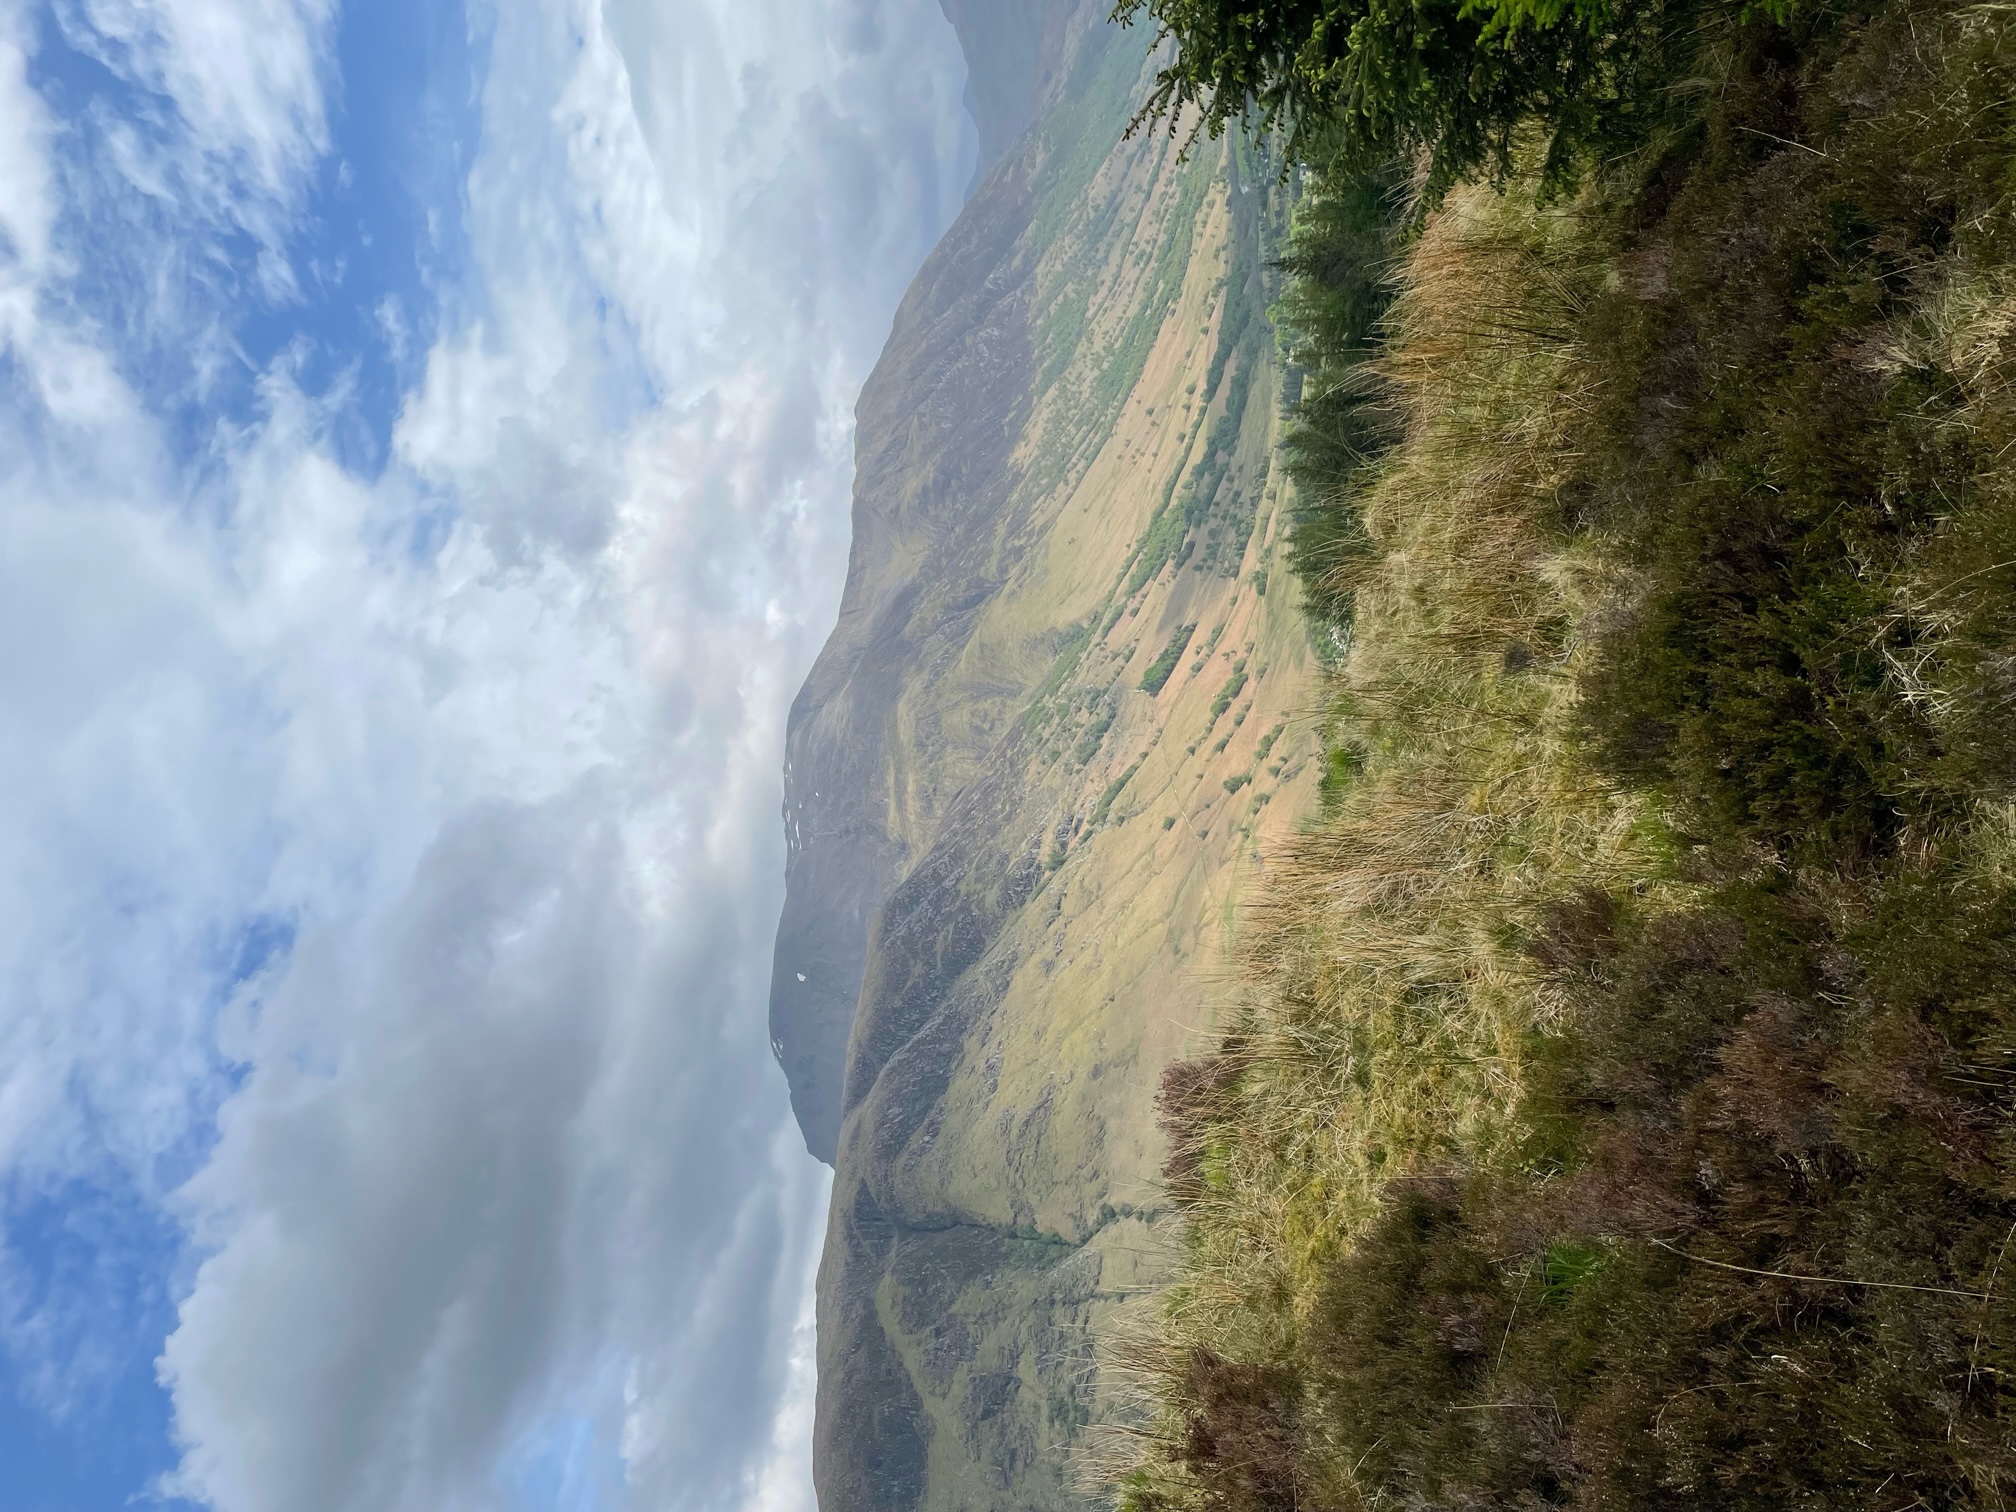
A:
(927, 492)
(1063, 721)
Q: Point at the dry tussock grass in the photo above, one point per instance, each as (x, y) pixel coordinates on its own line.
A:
(1388, 988)
(1509, 1106)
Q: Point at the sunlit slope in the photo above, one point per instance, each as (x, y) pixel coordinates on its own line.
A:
(1066, 493)
(936, 428)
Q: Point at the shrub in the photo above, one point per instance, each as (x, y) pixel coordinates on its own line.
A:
(1094, 736)
(1234, 685)
(1157, 675)
(1455, 81)
(1629, 1059)
(1343, 245)
(1194, 1095)
(1240, 1439)
(1105, 804)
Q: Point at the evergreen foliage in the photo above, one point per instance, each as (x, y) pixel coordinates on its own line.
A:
(1345, 243)
(1157, 675)
(1453, 82)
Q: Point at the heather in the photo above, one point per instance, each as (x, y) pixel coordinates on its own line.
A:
(1615, 1107)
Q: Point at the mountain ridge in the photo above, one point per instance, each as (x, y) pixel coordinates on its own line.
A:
(1016, 855)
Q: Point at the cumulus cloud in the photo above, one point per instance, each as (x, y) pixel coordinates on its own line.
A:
(399, 853)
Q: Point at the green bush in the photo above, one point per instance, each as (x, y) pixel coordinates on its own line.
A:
(1234, 685)
(1157, 675)
(1095, 735)
(1105, 804)
(1453, 81)
(1344, 242)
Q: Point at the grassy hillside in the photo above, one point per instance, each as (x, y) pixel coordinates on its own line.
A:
(1617, 1112)
(1068, 454)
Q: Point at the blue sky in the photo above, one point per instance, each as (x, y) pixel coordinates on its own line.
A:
(377, 232)
(424, 449)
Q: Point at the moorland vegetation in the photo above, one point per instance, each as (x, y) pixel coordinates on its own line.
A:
(1617, 1110)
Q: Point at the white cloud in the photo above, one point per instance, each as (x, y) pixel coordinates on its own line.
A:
(501, 1155)
(391, 1196)
(24, 153)
(245, 76)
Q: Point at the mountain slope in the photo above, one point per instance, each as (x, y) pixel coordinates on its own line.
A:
(933, 429)
(1027, 859)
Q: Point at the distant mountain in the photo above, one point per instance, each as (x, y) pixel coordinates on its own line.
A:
(925, 486)
(1012, 48)
(1053, 738)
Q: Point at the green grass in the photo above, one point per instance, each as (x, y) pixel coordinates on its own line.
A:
(1197, 512)
(1080, 218)
(1620, 1110)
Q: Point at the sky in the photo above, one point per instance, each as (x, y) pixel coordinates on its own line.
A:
(425, 442)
